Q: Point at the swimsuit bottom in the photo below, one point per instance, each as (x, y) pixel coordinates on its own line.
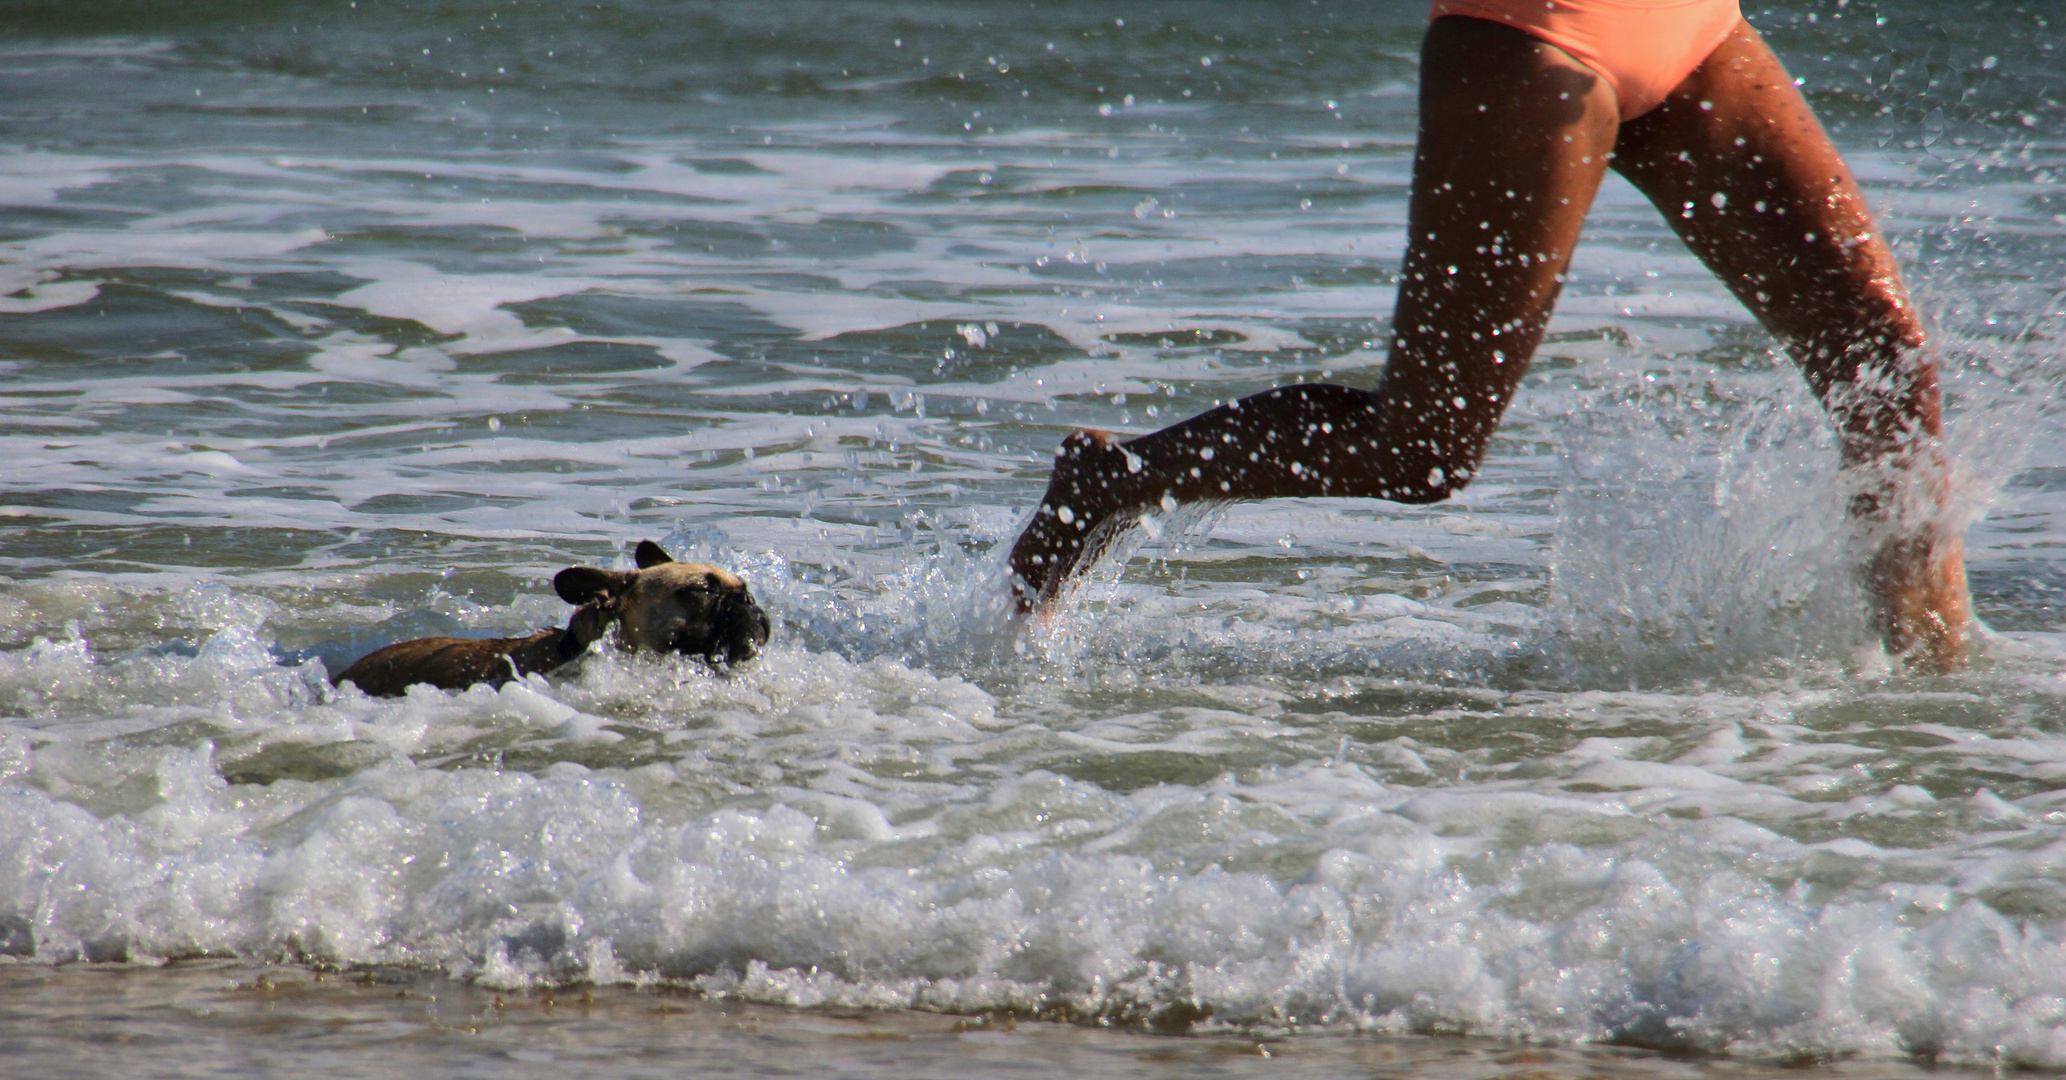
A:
(1643, 48)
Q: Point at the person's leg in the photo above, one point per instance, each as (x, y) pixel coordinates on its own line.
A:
(1514, 140)
(1742, 170)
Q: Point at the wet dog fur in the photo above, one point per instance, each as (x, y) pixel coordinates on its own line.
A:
(663, 606)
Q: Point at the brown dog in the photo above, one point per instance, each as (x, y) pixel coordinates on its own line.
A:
(663, 606)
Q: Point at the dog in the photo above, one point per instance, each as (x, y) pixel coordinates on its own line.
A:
(664, 606)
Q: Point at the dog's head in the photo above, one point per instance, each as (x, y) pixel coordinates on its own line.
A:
(668, 606)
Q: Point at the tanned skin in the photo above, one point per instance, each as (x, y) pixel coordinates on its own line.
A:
(1515, 138)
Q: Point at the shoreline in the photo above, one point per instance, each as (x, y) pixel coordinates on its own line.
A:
(210, 1017)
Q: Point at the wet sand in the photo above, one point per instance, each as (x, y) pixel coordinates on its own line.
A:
(230, 1018)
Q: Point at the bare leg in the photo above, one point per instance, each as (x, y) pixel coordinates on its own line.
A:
(1514, 140)
(1746, 175)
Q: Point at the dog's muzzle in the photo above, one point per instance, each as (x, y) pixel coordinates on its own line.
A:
(738, 629)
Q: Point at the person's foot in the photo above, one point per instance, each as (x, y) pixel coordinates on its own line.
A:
(1925, 612)
(1090, 484)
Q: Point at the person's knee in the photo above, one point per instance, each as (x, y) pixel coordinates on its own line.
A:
(1428, 466)
(1439, 482)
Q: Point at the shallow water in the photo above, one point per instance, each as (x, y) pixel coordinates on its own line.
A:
(329, 325)
(252, 1019)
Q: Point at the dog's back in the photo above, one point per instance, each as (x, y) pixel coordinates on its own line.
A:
(446, 662)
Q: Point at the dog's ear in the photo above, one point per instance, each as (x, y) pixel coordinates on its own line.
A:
(650, 554)
(578, 585)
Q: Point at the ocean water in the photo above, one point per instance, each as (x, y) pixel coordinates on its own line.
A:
(330, 324)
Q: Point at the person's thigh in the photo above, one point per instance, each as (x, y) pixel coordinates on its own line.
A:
(1514, 139)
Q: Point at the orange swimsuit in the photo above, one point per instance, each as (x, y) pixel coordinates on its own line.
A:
(1643, 48)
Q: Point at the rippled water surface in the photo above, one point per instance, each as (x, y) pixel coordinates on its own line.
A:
(326, 325)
